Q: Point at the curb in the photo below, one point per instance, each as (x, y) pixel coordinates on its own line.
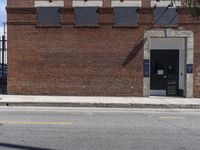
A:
(101, 105)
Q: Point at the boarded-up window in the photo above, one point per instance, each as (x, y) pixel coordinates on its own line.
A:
(125, 16)
(165, 16)
(48, 16)
(86, 16)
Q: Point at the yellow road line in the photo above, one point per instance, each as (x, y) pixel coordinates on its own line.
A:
(35, 123)
(170, 117)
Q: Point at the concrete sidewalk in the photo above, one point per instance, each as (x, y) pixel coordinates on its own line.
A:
(119, 102)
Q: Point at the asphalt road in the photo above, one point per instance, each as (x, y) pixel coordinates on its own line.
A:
(98, 129)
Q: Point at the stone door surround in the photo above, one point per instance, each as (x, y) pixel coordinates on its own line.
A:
(189, 47)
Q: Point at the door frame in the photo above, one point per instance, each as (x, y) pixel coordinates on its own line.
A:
(189, 52)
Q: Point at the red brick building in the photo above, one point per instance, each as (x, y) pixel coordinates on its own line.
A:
(103, 48)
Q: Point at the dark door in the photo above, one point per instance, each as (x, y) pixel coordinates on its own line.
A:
(165, 71)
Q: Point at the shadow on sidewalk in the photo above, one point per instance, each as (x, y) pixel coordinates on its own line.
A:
(21, 147)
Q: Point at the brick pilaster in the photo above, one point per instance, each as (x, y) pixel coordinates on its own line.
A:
(107, 3)
(68, 3)
(146, 3)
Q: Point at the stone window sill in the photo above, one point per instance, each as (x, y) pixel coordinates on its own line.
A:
(165, 26)
(86, 26)
(125, 26)
(48, 26)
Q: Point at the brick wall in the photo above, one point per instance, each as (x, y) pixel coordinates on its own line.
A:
(186, 22)
(196, 30)
(80, 61)
(72, 61)
(20, 3)
(30, 3)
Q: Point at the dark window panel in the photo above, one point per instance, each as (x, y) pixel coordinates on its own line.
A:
(48, 15)
(165, 16)
(125, 16)
(86, 16)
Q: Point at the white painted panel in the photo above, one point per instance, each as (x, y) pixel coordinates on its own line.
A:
(167, 43)
(164, 3)
(158, 92)
(171, 44)
(46, 3)
(126, 3)
(146, 87)
(89, 3)
(189, 92)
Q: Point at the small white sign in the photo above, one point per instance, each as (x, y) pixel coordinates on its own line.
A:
(160, 72)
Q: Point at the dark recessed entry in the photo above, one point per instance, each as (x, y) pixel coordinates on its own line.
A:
(165, 16)
(125, 16)
(48, 15)
(86, 16)
(165, 71)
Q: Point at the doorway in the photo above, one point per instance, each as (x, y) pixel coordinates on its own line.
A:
(164, 72)
(169, 39)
